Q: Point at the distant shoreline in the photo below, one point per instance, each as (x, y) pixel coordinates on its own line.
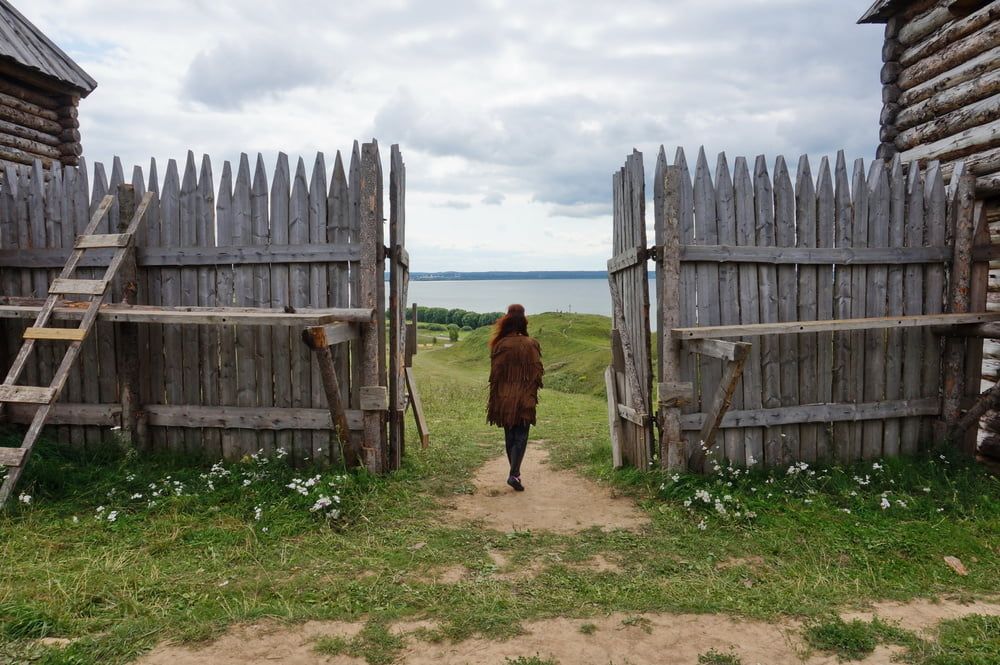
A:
(455, 276)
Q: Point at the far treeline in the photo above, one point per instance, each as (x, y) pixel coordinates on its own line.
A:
(456, 317)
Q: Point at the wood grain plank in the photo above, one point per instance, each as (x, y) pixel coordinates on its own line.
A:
(318, 296)
(225, 296)
(243, 296)
(859, 284)
(208, 336)
(894, 307)
(913, 304)
(280, 351)
(788, 345)
(301, 363)
(767, 279)
(808, 309)
(154, 297)
(687, 301)
(935, 224)
(825, 238)
(876, 306)
(190, 360)
(339, 225)
(263, 335)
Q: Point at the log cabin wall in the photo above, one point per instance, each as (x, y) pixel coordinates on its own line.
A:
(941, 102)
(36, 123)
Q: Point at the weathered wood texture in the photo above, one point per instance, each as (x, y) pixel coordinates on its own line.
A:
(630, 307)
(790, 312)
(37, 125)
(246, 240)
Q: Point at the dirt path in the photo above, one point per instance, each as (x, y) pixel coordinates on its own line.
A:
(554, 500)
(647, 639)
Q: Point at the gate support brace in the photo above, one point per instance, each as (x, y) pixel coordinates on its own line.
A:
(319, 339)
(735, 354)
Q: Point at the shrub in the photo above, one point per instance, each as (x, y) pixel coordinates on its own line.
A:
(452, 332)
(466, 328)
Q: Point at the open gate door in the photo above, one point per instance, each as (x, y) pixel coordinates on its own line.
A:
(629, 379)
(399, 278)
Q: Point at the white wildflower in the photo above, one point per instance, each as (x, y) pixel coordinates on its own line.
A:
(24, 498)
(321, 503)
(702, 526)
(876, 466)
(113, 515)
(885, 503)
(927, 490)
(257, 512)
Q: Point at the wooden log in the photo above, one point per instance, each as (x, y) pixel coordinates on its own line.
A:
(720, 404)
(17, 116)
(948, 34)
(957, 53)
(274, 419)
(13, 129)
(965, 118)
(18, 156)
(66, 136)
(371, 274)
(30, 108)
(962, 209)
(315, 339)
(920, 26)
(714, 348)
(969, 141)
(10, 86)
(70, 150)
(418, 409)
(948, 100)
(354, 230)
(820, 413)
(666, 187)
(975, 68)
(69, 123)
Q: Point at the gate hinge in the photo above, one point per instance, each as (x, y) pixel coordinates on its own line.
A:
(654, 252)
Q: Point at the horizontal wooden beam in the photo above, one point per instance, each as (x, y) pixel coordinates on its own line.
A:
(631, 415)
(330, 334)
(11, 456)
(815, 255)
(717, 348)
(835, 325)
(984, 330)
(164, 415)
(630, 257)
(18, 308)
(153, 257)
(986, 252)
(676, 394)
(819, 413)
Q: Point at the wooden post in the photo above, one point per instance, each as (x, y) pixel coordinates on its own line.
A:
(673, 453)
(133, 421)
(316, 340)
(411, 338)
(614, 420)
(720, 404)
(418, 408)
(961, 271)
(371, 282)
(978, 287)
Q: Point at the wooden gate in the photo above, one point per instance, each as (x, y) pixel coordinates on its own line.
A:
(803, 319)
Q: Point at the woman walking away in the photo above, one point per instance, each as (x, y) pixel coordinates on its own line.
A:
(515, 377)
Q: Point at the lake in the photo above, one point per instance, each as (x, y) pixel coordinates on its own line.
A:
(582, 296)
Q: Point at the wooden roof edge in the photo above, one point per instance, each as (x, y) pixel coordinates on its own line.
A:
(882, 10)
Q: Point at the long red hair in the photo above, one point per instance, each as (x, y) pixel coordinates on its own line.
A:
(514, 322)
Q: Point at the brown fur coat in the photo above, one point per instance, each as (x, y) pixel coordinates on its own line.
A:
(515, 377)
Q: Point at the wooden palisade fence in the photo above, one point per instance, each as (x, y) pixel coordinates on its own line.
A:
(834, 316)
(230, 275)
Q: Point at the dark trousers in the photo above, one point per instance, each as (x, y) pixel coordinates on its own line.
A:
(517, 443)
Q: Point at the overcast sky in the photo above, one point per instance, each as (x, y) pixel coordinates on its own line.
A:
(511, 115)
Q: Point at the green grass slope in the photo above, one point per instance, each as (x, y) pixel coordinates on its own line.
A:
(575, 349)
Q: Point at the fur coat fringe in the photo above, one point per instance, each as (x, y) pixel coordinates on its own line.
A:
(515, 377)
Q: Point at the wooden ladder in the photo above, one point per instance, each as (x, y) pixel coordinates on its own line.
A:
(95, 289)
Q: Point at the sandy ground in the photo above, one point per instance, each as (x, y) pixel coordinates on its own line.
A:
(647, 639)
(557, 501)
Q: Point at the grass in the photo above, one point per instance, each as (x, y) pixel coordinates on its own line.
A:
(715, 657)
(191, 565)
(854, 640)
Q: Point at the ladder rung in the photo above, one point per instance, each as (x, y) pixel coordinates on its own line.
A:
(99, 240)
(11, 456)
(78, 287)
(27, 394)
(64, 334)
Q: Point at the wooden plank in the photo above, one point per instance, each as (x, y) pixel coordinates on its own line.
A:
(978, 287)
(243, 296)
(208, 337)
(28, 308)
(11, 456)
(632, 256)
(127, 334)
(58, 220)
(35, 190)
(806, 233)
(913, 301)
(836, 325)
(788, 346)
(859, 284)
(397, 382)
(62, 334)
(316, 340)
(190, 359)
(746, 237)
(687, 298)
(82, 287)
(26, 394)
(418, 409)
(729, 296)
(275, 419)
(674, 394)
(709, 307)
(962, 221)
(371, 275)
(820, 413)
(299, 362)
(767, 279)
(332, 334)
(280, 351)
(614, 424)
(894, 307)
(104, 334)
(338, 209)
(85, 213)
(826, 232)
(631, 415)
(154, 332)
(318, 296)
(69, 413)
(171, 296)
(619, 285)
(815, 256)
(932, 351)
(225, 297)
(102, 240)
(262, 297)
(374, 398)
(354, 288)
(715, 348)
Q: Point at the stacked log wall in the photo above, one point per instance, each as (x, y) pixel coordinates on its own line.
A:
(38, 124)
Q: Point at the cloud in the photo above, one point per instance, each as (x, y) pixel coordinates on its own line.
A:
(233, 74)
(455, 205)
(493, 199)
